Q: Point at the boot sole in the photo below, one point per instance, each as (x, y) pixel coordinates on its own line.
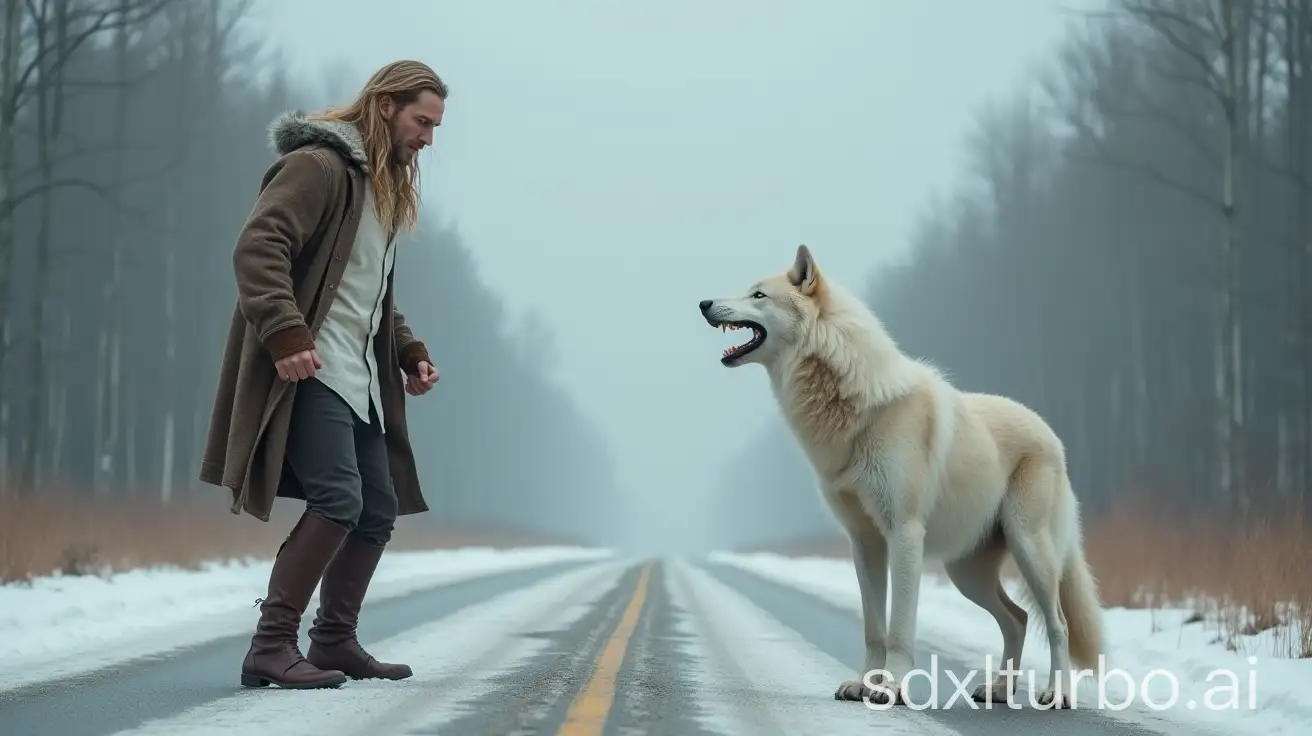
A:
(406, 676)
(260, 681)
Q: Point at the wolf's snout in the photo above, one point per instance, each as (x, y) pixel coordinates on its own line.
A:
(705, 304)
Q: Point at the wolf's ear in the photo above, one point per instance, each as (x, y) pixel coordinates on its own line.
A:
(803, 274)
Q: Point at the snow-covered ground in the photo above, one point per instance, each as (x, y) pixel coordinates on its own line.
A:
(1221, 691)
(60, 626)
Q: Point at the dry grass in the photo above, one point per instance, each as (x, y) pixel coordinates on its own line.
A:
(74, 535)
(1242, 576)
(1245, 575)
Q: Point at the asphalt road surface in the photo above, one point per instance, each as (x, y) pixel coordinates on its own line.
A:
(615, 647)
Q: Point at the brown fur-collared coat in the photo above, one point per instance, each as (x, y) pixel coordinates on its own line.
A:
(288, 259)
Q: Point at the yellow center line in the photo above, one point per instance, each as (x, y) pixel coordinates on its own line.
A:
(587, 714)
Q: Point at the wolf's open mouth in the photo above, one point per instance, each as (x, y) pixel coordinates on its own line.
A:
(738, 351)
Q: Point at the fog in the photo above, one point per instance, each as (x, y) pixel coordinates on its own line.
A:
(989, 175)
(611, 164)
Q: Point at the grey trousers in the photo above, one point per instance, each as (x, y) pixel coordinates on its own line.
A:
(341, 462)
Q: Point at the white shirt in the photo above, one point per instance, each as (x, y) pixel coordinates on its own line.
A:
(345, 339)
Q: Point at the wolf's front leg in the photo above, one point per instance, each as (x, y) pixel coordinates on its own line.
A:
(906, 547)
(870, 558)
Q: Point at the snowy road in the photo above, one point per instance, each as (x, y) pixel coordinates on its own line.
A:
(574, 646)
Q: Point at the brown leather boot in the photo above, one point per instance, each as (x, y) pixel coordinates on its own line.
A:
(275, 656)
(333, 642)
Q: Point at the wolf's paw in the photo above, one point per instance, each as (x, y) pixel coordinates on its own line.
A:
(884, 692)
(996, 692)
(851, 690)
(1048, 700)
(992, 692)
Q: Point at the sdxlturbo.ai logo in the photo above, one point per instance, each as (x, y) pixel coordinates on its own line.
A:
(1225, 695)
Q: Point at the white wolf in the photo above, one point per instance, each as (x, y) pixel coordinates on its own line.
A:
(913, 468)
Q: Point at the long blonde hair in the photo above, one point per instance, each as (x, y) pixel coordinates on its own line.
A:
(396, 188)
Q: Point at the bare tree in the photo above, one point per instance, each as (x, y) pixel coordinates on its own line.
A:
(14, 38)
(51, 22)
(1293, 24)
(109, 360)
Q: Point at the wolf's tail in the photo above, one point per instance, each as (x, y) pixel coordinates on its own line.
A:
(1080, 604)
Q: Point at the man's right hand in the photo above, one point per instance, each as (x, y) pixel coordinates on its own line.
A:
(298, 366)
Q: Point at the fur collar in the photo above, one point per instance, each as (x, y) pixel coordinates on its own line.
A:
(293, 130)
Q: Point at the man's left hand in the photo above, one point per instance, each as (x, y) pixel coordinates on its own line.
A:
(422, 382)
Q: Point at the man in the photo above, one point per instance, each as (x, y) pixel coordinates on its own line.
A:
(311, 402)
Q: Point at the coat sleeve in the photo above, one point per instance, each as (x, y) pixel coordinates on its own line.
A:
(409, 349)
(294, 197)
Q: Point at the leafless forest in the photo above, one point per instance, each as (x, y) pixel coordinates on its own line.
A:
(1130, 252)
(1131, 256)
(133, 134)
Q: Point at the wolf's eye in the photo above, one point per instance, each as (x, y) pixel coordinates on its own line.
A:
(758, 295)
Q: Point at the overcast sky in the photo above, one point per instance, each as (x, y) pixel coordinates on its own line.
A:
(612, 163)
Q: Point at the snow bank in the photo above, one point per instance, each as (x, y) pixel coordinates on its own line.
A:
(1157, 650)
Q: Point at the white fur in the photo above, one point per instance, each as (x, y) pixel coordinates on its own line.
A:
(915, 469)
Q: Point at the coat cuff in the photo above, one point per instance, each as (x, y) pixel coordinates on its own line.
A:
(411, 356)
(289, 341)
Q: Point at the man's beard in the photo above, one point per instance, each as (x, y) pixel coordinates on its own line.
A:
(399, 152)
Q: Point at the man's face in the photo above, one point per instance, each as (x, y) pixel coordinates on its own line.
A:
(412, 126)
